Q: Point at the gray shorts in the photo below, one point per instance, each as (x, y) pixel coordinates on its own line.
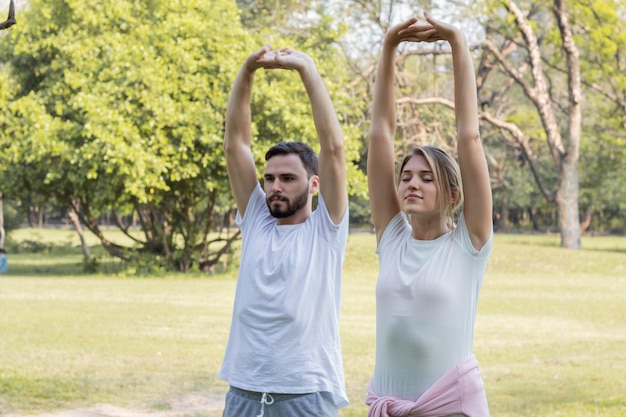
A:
(242, 403)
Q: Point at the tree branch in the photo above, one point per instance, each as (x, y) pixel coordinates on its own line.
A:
(11, 19)
(524, 141)
(428, 100)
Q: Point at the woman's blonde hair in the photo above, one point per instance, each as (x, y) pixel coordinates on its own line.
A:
(446, 176)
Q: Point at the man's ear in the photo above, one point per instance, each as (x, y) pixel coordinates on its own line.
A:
(314, 184)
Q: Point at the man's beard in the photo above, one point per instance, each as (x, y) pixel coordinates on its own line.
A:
(292, 208)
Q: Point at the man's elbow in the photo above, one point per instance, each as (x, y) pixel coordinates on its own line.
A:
(231, 147)
(334, 147)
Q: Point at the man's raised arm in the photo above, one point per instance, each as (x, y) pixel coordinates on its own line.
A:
(238, 132)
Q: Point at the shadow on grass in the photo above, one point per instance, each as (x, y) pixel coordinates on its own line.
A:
(611, 250)
(60, 264)
(605, 243)
(56, 267)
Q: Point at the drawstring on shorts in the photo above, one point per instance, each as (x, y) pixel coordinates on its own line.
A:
(265, 399)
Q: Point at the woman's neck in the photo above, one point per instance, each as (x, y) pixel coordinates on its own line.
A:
(427, 228)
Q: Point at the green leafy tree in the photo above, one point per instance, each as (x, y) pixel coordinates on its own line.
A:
(119, 107)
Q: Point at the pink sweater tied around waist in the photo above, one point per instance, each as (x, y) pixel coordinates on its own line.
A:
(459, 391)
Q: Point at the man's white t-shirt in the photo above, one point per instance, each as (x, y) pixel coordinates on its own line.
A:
(284, 335)
(426, 299)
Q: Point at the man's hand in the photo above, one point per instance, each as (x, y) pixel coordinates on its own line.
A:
(284, 58)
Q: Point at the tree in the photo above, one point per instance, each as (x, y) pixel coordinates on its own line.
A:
(513, 47)
(119, 107)
(562, 56)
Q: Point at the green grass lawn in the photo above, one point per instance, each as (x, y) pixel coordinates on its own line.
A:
(550, 333)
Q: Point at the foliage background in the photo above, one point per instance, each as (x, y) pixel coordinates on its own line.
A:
(115, 109)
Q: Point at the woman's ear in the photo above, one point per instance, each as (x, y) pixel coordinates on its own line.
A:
(456, 194)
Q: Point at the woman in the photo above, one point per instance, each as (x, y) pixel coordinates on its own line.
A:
(431, 266)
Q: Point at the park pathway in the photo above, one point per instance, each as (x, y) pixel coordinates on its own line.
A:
(187, 406)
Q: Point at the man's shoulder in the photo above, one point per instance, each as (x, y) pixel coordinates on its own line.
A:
(322, 210)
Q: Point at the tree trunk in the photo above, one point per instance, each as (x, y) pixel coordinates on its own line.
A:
(567, 195)
(91, 223)
(586, 221)
(79, 229)
(504, 214)
(567, 202)
(30, 217)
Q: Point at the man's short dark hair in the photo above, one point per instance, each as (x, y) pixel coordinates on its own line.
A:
(304, 151)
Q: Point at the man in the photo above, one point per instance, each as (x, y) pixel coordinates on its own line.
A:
(283, 357)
